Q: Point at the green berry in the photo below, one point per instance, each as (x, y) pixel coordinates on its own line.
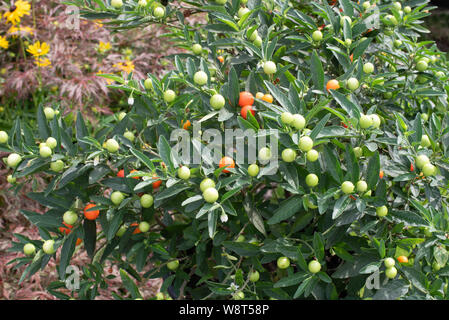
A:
(314, 266)
(146, 200)
(305, 143)
(347, 187)
(312, 180)
(382, 211)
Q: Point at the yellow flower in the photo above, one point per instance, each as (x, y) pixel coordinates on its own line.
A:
(38, 49)
(126, 66)
(108, 81)
(14, 30)
(4, 43)
(17, 11)
(97, 23)
(102, 47)
(42, 62)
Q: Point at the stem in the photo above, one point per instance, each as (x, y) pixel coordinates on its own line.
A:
(183, 286)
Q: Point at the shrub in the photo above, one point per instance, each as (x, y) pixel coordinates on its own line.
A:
(377, 190)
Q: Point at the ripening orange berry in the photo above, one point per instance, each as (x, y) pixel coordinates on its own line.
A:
(121, 174)
(332, 85)
(186, 125)
(136, 230)
(352, 57)
(78, 241)
(246, 99)
(91, 215)
(403, 259)
(412, 168)
(259, 95)
(268, 98)
(156, 184)
(226, 162)
(381, 174)
(220, 58)
(65, 230)
(244, 111)
(132, 171)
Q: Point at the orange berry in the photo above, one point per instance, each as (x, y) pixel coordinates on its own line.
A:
(352, 57)
(381, 174)
(78, 241)
(226, 162)
(136, 230)
(403, 259)
(268, 98)
(220, 58)
(244, 111)
(91, 215)
(121, 174)
(246, 99)
(132, 171)
(65, 230)
(186, 125)
(156, 184)
(332, 85)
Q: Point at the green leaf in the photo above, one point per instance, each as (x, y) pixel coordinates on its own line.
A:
(317, 71)
(129, 284)
(280, 97)
(292, 280)
(441, 255)
(212, 222)
(314, 133)
(68, 248)
(90, 236)
(318, 246)
(170, 192)
(351, 109)
(165, 152)
(233, 88)
(392, 290)
(373, 171)
(332, 164)
(352, 164)
(142, 157)
(340, 206)
(286, 209)
(253, 215)
(242, 248)
(42, 124)
(302, 287)
(81, 129)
